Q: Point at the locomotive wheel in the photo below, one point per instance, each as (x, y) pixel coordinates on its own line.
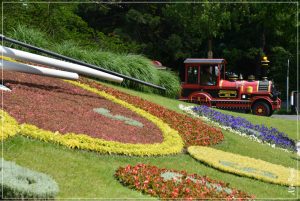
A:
(261, 109)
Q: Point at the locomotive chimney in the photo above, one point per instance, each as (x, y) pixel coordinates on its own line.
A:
(264, 68)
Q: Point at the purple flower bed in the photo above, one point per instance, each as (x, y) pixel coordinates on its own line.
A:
(269, 135)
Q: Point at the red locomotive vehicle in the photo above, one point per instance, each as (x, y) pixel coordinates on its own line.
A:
(205, 84)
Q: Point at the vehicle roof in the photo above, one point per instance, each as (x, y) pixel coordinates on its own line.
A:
(205, 61)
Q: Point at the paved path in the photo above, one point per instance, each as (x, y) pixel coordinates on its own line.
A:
(290, 117)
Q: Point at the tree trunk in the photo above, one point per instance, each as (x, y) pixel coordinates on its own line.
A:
(210, 52)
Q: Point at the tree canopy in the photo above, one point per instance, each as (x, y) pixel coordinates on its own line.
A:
(170, 32)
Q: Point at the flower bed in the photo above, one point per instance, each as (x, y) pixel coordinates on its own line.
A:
(172, 143)
(193, 131)
(59, 106)
(37, 111)
(172, 184)
(8, 125)
(262, 133)
(246, 166)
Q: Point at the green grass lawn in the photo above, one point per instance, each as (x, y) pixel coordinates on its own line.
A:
(82, 174)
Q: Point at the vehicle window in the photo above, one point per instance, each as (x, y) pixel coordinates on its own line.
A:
(208, 75)
(193, 75)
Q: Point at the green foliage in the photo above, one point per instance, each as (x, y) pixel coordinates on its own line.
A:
(115, 44)
(30, 36)
(170, 81)
(21, 183)
(278, 68)
(241, 33)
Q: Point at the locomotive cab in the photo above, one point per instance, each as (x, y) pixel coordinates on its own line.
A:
(205, 84)
(204, 72)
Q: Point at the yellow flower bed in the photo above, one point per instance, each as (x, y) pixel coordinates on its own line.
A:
(246, 166)
(82, 141)
(171, 144)
(8, 125)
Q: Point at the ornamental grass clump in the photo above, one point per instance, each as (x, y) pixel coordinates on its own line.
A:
(21, 183)
(261, 132)
(132, 65)
(172, 184)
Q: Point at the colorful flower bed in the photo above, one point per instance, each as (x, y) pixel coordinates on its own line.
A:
(246, 166)
(8, 126)
(172, 143)
(27, 111)
(193, 131)
(172, 184)
(259, 133)
(60, 106)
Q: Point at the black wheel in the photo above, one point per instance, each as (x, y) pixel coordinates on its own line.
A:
(261, 109)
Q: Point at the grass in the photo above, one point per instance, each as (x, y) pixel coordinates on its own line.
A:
(136, 66)
(82, 174)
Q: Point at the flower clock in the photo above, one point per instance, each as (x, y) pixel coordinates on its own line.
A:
(79, 116)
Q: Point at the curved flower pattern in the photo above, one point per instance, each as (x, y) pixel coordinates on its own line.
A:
(58, 127)
(246, 166)
(171, 144)
(8, 126)
(172, 184)
(260, 133)
(193, 131)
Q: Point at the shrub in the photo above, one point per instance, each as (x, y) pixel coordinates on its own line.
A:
(22, 183)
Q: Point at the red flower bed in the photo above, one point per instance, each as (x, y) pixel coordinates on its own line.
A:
(171, 184)
(193, 131)
(52, 104)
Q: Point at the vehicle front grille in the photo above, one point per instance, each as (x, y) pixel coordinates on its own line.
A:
(263, 86)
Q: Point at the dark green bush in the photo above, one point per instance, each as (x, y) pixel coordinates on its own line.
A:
(21, 183)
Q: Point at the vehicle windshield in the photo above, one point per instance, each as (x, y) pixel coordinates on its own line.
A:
(208, 74)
